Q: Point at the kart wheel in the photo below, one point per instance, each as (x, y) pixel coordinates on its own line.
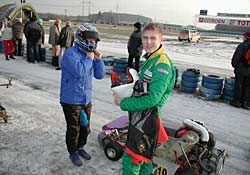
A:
(113, 151)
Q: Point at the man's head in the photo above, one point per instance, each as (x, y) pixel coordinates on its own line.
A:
(32, 18)
(68, 23)
(58, 22)
(87, 37)
(39, 21)
(246, 36)
(151, 37)
(137, 26)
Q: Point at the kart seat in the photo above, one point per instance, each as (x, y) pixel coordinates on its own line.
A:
(120, 124)
(172, 148)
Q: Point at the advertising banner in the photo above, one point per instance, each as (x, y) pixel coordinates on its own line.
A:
(225, 21)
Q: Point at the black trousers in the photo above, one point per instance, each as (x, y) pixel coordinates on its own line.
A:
(76, 135)
(33, 52)
(242, 88)
(18, 47)
(137, 62)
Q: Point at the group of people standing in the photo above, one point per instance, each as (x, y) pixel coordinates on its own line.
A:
(33, 30)
(60, 39)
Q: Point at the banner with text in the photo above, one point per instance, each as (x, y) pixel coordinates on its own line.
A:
(224, 21)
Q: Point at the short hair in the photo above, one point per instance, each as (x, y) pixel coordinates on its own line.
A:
(32, 18)
(58, 21)
(153, 27)
(68, 22)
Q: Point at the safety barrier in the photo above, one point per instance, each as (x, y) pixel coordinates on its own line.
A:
(211, 87)
(228, 90)
(1, 46)
(190, 80)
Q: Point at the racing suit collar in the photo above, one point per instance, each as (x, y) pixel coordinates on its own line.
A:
(157, 52)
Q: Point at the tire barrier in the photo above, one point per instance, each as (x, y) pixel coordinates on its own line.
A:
(109, 63)
(48, 56)
(211, 87)
(120, 65)
(228, 90)
(25, 51)
(190, 80)
(1, 46)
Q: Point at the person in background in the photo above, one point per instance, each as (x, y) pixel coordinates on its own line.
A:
(80, 63)
(242, 74)
(151, 91)
(135, 47)
(7, 37)
(41, 49)
(27, 40)
(66, 40)
(18, 36)
(54, 33)
(34, 33)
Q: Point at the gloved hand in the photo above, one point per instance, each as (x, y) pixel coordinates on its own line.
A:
(98, 54)
(117, 99)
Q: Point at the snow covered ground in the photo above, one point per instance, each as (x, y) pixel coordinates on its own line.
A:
(33, 141)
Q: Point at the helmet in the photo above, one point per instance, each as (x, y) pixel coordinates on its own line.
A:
(84, 32)
(121, 89)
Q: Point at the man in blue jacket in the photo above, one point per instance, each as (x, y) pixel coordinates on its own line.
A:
(80, 63)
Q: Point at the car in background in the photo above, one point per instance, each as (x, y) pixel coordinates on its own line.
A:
(190, 35)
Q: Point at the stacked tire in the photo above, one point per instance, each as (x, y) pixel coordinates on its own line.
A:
(1, 46)
(190, 80)
(211, 87)
(48, 56)
(120, 65)
(25, 51)
(228, 90)
(109, 63)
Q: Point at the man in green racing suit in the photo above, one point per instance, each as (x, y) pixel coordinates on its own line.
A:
(145, 128)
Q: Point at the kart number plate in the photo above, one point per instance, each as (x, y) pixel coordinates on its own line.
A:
(161, 170)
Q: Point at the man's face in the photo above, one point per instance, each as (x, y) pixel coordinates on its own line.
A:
(151, 40)
(93, 40)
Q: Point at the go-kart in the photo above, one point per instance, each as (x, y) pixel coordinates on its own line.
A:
(190, 149)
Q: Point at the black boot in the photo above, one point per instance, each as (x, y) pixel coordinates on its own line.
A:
(245, 105)
(11, 56)
(57, 61)
(54, 61)
(7, 58)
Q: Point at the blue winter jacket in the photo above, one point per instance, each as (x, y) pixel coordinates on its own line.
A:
(76, 78)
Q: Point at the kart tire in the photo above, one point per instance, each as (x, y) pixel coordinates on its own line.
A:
(100, 139)
(187, 171)
(113, 151)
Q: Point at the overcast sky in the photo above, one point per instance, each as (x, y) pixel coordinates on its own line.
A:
(171, 11)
